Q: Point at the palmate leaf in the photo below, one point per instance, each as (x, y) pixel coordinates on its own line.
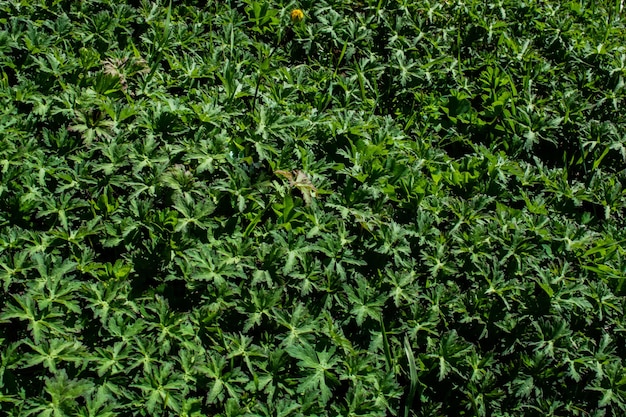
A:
(553, 334)
(224, 381)
(365, 301)
(48, 268)
(209, 265)
(100, 300)
(63, 394)
(124, 324)
(169, 326)
(112, 359)
(195, 213)
(56, 286)
(402, 283)
(40, 322)
(253, 357)
(147, 154)
(300, 324)
(99, 404)
(162, 388)
(145, 353)
(13, 267)
(190, 356)
(92, 125)
(53, 352)
(260, 304)
(294, 249)
(451, 351)
(318, 367)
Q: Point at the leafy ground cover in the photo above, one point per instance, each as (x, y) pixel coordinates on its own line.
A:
(370, 208)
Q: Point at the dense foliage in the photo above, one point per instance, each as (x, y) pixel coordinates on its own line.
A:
(410, 208)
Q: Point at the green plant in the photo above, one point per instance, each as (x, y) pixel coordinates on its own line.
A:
(380, 209)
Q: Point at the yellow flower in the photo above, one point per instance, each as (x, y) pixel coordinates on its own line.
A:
(297, 15)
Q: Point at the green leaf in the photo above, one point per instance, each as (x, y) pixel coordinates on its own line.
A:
(318, 366)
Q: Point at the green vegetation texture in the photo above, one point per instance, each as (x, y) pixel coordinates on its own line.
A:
(370, 208)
